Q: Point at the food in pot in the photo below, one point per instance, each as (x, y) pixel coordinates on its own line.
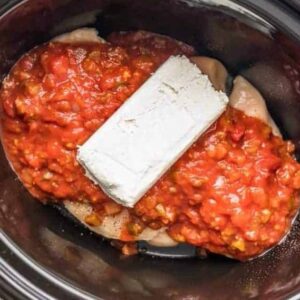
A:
(235, 191)
(147, 135)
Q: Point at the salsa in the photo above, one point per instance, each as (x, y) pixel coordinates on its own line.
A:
(234, 192)
(235, 187)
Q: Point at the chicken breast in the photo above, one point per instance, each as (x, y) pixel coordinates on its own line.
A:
(111, 227)
(248, 99)
(243, 97)
(81, 35)
(214, 69)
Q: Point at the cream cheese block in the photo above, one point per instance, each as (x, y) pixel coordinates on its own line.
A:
(151, 130)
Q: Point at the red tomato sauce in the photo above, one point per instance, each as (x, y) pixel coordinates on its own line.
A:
(234, 192)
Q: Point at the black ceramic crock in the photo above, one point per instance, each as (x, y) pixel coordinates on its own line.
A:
(45, 256)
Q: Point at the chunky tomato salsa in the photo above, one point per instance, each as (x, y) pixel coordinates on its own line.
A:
(234, 192)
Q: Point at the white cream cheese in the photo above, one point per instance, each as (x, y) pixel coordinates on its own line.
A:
(151, 130)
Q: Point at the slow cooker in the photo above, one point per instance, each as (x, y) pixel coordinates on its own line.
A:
(47, 256)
